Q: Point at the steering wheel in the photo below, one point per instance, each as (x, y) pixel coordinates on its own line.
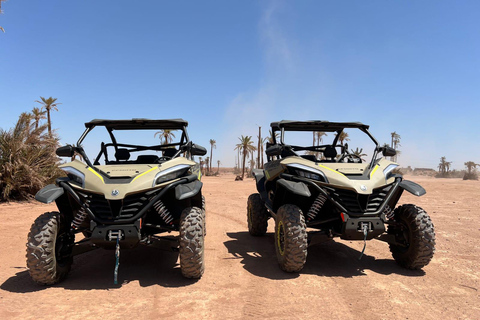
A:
(162, 159)
(349, 156)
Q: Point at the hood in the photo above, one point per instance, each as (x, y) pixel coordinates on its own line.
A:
(123, 179)
(354, 176)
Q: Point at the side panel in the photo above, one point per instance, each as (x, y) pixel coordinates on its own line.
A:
(273, 169)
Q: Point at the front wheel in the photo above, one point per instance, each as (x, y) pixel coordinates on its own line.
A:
(415, 235)
(290, 238)
(257, 215)
(192, 242)
(49, 249)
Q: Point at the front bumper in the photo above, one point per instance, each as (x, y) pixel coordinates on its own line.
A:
(353, 227)
(105, 236)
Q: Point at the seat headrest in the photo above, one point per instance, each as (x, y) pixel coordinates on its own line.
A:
(122, 154)
(330, 152)
(146, 158)
(170, 152)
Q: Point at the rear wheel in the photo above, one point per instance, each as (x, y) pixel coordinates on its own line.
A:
(192, 242)
(415, 235)
(257, 215)
(290, 238)
(49, 249)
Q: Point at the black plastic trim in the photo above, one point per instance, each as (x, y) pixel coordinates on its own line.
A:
(380, 210)
(413, 188)
(298, 188)
(49, 193)
(188, 190)
(140, 214)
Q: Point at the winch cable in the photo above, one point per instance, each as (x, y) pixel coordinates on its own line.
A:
(365, 233)
(117, 258)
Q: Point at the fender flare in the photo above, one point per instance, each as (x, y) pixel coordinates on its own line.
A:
(188, 190)
(298, 188)
(260, 179)
(413, 188)
(49, 193)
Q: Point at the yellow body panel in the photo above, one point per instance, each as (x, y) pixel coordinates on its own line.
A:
(337, 173)
(141, 175)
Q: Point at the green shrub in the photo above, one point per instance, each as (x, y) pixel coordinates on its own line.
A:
(27, 159)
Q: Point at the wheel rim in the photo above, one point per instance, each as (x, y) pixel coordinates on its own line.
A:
(62, 248)
(403, 236)
(281, 238)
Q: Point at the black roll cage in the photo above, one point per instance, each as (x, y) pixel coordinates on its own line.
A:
(136, 124)
(322, 126)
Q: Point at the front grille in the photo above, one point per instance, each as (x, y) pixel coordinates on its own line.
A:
(361, 203)
(116, 209)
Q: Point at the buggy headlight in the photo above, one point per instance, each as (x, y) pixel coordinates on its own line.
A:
(75, 175)
(388, 170)
(307, 172)
(170, 174)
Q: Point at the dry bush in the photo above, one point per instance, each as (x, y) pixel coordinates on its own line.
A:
(470, 176)
(27, 159)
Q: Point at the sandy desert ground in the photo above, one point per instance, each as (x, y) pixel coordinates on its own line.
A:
(242, 278)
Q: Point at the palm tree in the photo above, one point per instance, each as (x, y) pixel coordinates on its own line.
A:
(38, 115)
(319, 135)
(359, 153)
(395, 143)
(252, 165)
(471, 166)
(200, 162)
(270, 137)
(246, 147)
(218, 166)
(1, 28)
(264, 141)
(27, 159)
(168, 135)
(212, 146)
(207, 161)
(343, 137)
(49, 104)
(444, 166)
(259, 147)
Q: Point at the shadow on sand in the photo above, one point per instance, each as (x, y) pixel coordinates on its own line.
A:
(94, 271)
(327, 259)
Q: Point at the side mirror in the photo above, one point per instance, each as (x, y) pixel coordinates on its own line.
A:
(274, 150)
(388, 151)
(66, 151)
(197, 150)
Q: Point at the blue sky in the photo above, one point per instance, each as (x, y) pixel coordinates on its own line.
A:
(230, 66)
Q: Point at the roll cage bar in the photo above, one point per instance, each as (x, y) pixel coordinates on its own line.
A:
(322, 126)
(136, 124)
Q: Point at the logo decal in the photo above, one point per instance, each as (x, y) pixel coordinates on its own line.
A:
(363, 187)
(115, 192)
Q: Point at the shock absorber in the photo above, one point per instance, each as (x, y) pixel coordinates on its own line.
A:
(316, 206)
(388, 212)
(79, 218)
(163, 212)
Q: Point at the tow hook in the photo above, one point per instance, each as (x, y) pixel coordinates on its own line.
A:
(111, 236)
(364, 227)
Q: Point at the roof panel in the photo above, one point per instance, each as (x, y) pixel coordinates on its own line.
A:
(315, 125)
(137, 124)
